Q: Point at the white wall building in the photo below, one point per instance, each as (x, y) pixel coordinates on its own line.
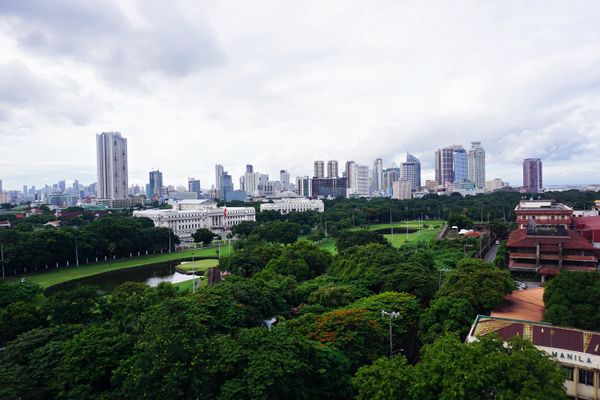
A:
(359, 187)
(187, 216)
(285, 206)
(493, 185)
(476, 171)
(112, 169)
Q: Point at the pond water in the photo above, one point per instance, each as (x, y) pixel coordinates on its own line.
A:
(151, 275)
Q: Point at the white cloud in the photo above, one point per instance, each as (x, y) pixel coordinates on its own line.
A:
(280, 84)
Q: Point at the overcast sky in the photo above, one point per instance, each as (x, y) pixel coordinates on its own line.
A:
(278, 84)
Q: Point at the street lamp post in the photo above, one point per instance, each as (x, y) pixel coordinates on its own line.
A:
(392, 315)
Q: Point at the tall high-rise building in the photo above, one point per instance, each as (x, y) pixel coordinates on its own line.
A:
(194, 185)
(349, 177)
(461, 164)
(360, 180)
(532, 175)
(390, 175)
(24, 190)
(249, 168)
(284, 178)
(378, 175)
(113, 174)
(251, 183)
(155, 184)
(319, 169)
(303, 186)
(62, 186)
(226, 187)
(411, 171)
(219, 171)
(1, 186)
(332, 169)
(438, 166)
(477, 165)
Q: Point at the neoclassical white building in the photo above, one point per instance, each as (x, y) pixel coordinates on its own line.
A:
(187, 216)
(287, 205)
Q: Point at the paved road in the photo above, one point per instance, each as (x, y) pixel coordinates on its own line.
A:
(491, 254)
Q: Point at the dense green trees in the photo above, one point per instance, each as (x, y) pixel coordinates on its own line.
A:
(204, 236)
(573, 299)
(110, 236)
(482, 284)
(450, 369)
(347, 239)
(278, 232)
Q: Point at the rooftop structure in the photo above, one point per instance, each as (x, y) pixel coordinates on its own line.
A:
(522, 304)
(531, 213)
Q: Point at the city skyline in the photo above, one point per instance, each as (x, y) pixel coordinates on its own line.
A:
(268, 88)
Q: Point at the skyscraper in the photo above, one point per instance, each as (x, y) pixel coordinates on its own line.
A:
(155, 184)
(411, 171)
(194, 185)
(477, 165)
(251, 183)
(113, 176)
(319, 169)
(303, 186)
(378, 175)
(460, 161)
(360, 180)
(349, 177)
(249, 168)
(1, 186)
(284, 178)
(219, 171)
(532, 175)
(332, 169)
(226, 187)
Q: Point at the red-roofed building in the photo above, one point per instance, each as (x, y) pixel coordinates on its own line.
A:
(545, 244)
(589, 228)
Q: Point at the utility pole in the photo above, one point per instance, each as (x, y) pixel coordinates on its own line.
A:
(2, 254)
(392, 315)
(76, 250)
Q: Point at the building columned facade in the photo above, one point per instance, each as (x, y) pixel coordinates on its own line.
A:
(187, 216)
(288, 205)
(112, 168)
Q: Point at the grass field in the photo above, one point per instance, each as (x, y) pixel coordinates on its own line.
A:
(50, 278)
(198, 265)
(404, 224)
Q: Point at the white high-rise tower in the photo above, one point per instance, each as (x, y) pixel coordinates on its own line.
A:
(111, 150)
(477, 165)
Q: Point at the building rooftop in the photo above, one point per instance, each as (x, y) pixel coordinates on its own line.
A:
(522, 304)
(542, 205)
(591, 222)
(573, 240)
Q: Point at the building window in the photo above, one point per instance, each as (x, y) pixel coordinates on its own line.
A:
(586, 377)
(568, 373)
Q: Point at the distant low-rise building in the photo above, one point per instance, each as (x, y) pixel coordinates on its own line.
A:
(187, 216)
(288, 205)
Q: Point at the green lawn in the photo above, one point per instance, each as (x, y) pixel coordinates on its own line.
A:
(198, 265)
(404, 224)
(425, 235)
(329, 245)
(45, 279)
(187, 285)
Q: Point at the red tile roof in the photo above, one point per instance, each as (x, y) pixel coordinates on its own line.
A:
(591, 222)
(519, 238)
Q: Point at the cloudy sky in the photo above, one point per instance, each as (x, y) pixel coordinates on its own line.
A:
(279, 84)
